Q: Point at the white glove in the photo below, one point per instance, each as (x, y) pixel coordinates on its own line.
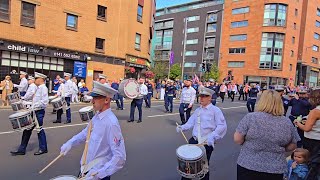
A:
(210, 142)
(92, 174)
(65, 148)
(179, 129)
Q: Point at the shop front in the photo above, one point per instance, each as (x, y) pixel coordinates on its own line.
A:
(136, 66)
(266, 81)
(16, 57)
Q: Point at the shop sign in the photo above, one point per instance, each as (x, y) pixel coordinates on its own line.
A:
(135, 65)
(21, 48)
(136, 60)
(80, 69)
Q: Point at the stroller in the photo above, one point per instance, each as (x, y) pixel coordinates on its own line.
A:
(314, 167)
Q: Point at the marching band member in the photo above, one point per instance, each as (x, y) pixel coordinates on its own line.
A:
(31, 90)
(253, 94)
(149, 95)
(209, 120)
(105, 145)
(188, 96)
(23, 86)
(213, 86)
(137, 102)
(60, 93)
(68, 90)
(285, 101)
(103, 79)
(170, 91)
(39, 103)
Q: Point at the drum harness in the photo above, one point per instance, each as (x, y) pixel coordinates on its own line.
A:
(34, 116)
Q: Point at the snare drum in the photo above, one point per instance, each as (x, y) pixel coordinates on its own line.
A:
(65, 177)
(17, 106)
(13, 97)
(190, 161)
(21, 121)
(51, 98)
(57, 103)
(86, 113)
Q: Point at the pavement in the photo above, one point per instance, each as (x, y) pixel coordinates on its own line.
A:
(150, 145)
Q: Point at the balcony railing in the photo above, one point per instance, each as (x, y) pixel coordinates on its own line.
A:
(162, 57)
(162, 26)
(211, 44)
(208, 55)
(162, 47)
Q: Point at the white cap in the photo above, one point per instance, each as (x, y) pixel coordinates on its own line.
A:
(23, 73)
(67, 74)
(102, 76)
(30, 78)
(206, 91)
(100, 89)
(39, 75)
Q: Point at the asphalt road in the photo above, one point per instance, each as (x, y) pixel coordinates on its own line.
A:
(150, 146)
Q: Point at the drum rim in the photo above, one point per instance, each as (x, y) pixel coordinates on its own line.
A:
(86, 109)
(56, 99)
(127, 81)
(191, 159)
(19, 112)
(64, 176)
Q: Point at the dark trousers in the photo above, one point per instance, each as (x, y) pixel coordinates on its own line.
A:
(300, 132)
(119, 100)
(250, 104)
(222, 94)
(246, 95)
(209, 150)
(241, 95)
(60, 111)
(168, 102)
(136, 103)
(147, 100)
(41, 135)
(312, 145)
(22, 93)
(232, 94)
(229, 94)
(213, 102)
(181, 111)
(246, 174)
(197, 96)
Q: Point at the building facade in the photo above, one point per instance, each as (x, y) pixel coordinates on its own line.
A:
(190, 33)
(265, 41)
(82, 38)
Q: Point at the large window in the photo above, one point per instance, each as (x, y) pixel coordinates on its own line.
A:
(237, 50)
(102, 13)
(100, 45)
(212, 17)
(317, 23)
(314, 60)
(318, 11)
(191, 53)
(315, 48)
(72, 22)
(271, 51)
(238, 24)
(316, 36)
(192, 41)
(137, 45)
(242, 10)
(275, 15)
(28, 14)
(210, 42)
(139, 14)
(192, 30)
(164, 24)
(238, 37)
(4, 10)
(236, 64)
(193, 18)
(167, 39)
(212, 27)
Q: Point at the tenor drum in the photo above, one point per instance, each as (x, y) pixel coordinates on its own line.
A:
(21, 120)
(27, 104)
(129, 88)
(190, 161)
(86, 113)
(57, 103)
(13, 97)
(17, 106)
(65, 177)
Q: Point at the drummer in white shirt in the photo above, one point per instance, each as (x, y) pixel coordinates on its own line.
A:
(61, 94)
(106, 150)
(31, 90)
(23, 86)
(68, 91)
(212, 124)
(137, 102)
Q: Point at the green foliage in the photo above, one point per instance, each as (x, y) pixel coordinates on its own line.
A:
(159, 70)
(175, 71)
(213, 74)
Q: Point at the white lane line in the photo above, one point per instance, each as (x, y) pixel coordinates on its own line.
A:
(234, 107)
(172, 114)
(52, 127)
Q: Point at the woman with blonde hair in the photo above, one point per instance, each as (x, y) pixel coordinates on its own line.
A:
(7, 87)
(265, 136)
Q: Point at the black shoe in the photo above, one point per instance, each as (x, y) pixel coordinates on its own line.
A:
(56, 122)
(139, 121)
(68, 122)
(121, 109)
(170, 111)
(39, 152)
(130, 120)
(17, 153)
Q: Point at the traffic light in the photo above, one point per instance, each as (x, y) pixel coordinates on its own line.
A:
(203, 67)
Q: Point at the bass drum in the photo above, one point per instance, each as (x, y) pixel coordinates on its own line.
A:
(129, 88)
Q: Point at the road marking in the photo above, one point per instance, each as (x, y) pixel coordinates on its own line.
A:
(234, 107)
(172, 114)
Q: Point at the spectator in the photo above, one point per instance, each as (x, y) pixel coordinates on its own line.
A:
(56, 84)
(80, 84)
(75, 90)
(7, 87)
(297, 167)
(158, 89)
(265, 137)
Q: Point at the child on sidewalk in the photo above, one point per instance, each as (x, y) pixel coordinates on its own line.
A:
(297, 167)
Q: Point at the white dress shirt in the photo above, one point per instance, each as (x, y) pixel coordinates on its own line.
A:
(30, 92)
(41, 98)
(106, 142)
(75, 88)
(212, 122)
(68, 88)
(23, 86)
(80, 85)
(61, 91)
(188, 95)
(223, 88)
(143, 91)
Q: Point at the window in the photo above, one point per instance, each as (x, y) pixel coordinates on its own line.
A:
(275, 15)
(236, 64)
(242, 10)
(238, 24)
(102, 13)
(290, 67)
(212, 27)
(192, 41)
(296, 12)
(210, 42)
(140, 12)
(164, 24)
(316, 36)
(315, 48)
(271, 51)
(72, 22)
(28, 12)
(237, 50)
(192, 30)
(193, 18)
(238, 37)
(294, 25)
(191, 53)
(293, 39)
(291, 53)
(318, 11)
(212, 17)
(138, 42)
(314, 60)
(190, 64)
(4, 10)
(100, 45)
(317, 23)
(168, 24)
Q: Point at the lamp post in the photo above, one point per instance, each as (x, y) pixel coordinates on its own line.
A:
(184, 46)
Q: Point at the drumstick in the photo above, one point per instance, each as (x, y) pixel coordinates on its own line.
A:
(183, 134)
(50, 163)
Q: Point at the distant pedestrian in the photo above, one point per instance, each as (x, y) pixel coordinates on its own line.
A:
(7, 87)
(223, 90)
(188, 96)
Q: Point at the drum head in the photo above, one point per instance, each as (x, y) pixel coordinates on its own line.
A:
(18, 114)
(65, 177)
(52, 97)
(86, 109)
(130, 88)
(57, 99)
(189, 152)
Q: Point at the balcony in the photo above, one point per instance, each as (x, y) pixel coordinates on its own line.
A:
(163, 47)
(208, 55)
(162, 57)
(209, 44)
(162, 26)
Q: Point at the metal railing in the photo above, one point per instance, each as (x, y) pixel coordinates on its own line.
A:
(208, 55)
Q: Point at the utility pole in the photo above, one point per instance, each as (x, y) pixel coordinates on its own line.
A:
(184, 46)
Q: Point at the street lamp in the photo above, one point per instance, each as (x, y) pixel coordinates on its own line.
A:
(184, 46)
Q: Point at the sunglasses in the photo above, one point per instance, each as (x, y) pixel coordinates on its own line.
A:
(203, 95)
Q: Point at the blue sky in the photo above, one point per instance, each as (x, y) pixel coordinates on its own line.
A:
(166, 3)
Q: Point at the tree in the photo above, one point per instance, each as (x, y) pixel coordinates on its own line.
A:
(159, 70)
(213, 74)
(175, 71)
